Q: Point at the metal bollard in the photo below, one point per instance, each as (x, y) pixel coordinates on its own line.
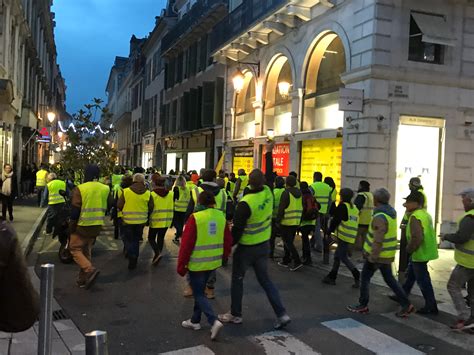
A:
(96, 343)
(46, 314)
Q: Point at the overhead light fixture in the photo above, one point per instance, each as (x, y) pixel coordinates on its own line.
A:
(332, 52)
(270, 134)
(284, 89)
(238, 81)
(51, 116)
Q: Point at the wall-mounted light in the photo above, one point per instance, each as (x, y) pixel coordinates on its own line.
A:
(51, 116)
(107, 142)
(270, 134)
(284, 89)
(60, 134)
(238, 81)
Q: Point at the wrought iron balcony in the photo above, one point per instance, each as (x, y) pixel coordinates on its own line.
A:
(197, 21)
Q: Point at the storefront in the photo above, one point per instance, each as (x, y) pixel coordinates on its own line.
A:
(242, 158)
(148, 151)
(281, 159)
(323, 155)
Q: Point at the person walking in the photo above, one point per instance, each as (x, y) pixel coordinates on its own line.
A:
(322, 194)
(422, 248)
(308, 221)
(41, 176)
(364, 202)
(277, 192)
(53, 197)
(288, 219)
(135, 203)
(240, 184)
(206, 242)
(251, 232)
(181, 196)
(463, 273)
(161, 217)
(344, 225)
(9, 191)
(26, 180)
(89, 203)
(379, 250)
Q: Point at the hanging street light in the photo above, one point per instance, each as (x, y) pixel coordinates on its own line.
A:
(238, 80)
(284, 89)
(51, 116)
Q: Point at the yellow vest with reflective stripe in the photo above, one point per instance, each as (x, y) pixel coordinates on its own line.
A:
(54, 187)
(41, 177)
(116, 181)
(119, 194)
(209, 248)
(221, 198)
(276, 200)
(428, 250)
(293, 212)
(464, 253)
(347, 230)
(243, 184)
(181, 204)
(94, 203)
(322, 193)
(162, 214)
(365, 214)
(390, 242)
(259, 225)
(135, 210)
(232, 186)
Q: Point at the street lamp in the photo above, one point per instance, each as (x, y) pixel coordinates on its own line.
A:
(284, 89)
(51, 116)
(270, 134)
(238, 81)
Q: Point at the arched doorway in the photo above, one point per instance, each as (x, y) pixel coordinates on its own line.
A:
(244, 124)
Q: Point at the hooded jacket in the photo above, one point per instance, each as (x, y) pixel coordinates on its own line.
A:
(206, 186)
(285, 201)
(380, 227)
(139, 188)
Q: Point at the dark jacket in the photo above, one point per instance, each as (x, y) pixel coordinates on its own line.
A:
(139, 188)
(285, 201)
(464, 233)
(340, 214)
(19, 302)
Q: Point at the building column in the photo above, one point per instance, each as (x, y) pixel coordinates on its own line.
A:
(296, 119)
(258, 106)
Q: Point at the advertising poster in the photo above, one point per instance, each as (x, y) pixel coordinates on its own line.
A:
(281, 159)
(242, 159)
(324, 155)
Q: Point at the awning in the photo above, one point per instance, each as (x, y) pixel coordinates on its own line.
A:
(434, 29)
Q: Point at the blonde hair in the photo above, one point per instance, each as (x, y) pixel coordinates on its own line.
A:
(180, 181)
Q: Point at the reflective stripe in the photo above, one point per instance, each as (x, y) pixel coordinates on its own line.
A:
(204, 259)
(322, 198)
(346, 226)
(464, 250)
(256, 225)
(256, 231)
(98, 218)
(93, 209)
(383, 248)
(347, 235)
(135, 213)
(162, 211)
(209, 247)
(161, 219)
(134, 218)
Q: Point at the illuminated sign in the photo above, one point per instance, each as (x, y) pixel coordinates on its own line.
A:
(281, 159)
(43, 136)
(242, 159)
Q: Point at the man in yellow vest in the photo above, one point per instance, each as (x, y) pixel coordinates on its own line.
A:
(116, 178)
(206, 242)
(322, 194)
(53, 198)
(136, 204)
(463, 273)
(277, 192)
(422, 247)
(364, 202)
(41, 177)
(240, 184)
(181, 195)
(287, 220)
(344, 224)
(380, 248)
(251, 231)
(89, 203)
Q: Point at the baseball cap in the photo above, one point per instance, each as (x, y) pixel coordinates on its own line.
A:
(416, 196)
(468, 192)
(415, 181)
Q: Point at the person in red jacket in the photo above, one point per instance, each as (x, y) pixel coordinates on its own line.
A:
(205, 242)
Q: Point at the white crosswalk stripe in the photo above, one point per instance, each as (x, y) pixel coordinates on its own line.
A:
(196, 350)
(369, 338)
(278, 342)
(435, 329)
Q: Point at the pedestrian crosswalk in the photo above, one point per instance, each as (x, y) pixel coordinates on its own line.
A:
(366, 337)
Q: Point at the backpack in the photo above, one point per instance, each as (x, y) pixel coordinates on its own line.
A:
(310, 207)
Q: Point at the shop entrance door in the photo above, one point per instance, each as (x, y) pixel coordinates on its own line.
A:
(419, 147)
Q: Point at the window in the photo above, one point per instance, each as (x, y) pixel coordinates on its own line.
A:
(429, 36)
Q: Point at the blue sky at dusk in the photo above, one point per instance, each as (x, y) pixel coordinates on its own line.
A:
(90, 33)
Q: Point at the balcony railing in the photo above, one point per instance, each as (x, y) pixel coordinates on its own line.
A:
(200, 10)
(243, 17)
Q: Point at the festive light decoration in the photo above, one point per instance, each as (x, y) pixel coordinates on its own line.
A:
(93, 131)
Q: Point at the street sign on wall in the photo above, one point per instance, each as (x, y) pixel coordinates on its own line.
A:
(351, 100)
(281, 159)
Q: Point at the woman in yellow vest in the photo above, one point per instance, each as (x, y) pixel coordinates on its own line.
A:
(181, 196)
(463, 273)
(344, 226)
(53, 198)
(277, 192)
(206, 242)
(364, 202)
(422, 247)
(41, 176)
(379, 252)
(161, 216)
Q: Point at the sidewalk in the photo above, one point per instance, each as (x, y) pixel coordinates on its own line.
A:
(66, 338)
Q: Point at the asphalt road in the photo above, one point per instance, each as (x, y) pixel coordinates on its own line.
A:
(142, 311)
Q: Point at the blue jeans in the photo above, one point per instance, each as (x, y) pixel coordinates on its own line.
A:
(342, 255)
(317, 239)
(255, 256)
(198, 282)
(418, 271)
(131, 238)
(211, 280)
(368, 271)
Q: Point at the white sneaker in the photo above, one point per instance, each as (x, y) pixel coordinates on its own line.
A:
(229, 318)
(215, 329)
(190, 325)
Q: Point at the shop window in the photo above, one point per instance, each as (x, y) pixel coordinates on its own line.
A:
(277, 114)
(323, 81)
(244, 124)
(422, 32)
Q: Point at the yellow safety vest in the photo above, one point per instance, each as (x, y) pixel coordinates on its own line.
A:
(41, 177)
(347, 230)
(464, 253)
(116, 181)
(322, 193)
(181, 204)
(389, 245)
(54, 187)
(209, 248)
(243, 184)
(221, 198)
(428, 250)
(293, 212)
(276, 200)
(162, 214)
(365, 214)
(135, 210)
(259, 225)
(119, 194)
(94, 203)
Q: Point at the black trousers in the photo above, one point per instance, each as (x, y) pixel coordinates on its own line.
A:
(7, 203)
(156, 238)
(288, 235)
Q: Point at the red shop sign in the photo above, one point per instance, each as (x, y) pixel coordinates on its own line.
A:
(281, 159)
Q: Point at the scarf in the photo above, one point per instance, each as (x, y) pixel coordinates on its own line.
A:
(7, 183)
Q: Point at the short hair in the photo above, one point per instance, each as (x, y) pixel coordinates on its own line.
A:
(256, 178)
(52, 176)
(220, 182)
(382, 195)
(317, 176)
(291, 181)
(209, 175)
(241, 172)
(158, 180)
(346, 194)
(206, 198)
(279, 182)
(293, 173)
(139, 177)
